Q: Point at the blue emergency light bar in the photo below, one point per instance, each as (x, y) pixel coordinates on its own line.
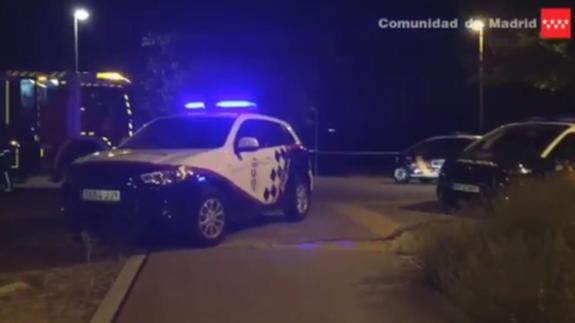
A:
(236, 104)
(195, 105)
(227, 104)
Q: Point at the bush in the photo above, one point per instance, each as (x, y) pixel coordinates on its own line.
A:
(517, 266)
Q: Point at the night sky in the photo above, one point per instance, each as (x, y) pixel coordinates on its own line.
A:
(378, 89)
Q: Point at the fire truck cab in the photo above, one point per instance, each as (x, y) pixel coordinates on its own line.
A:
(47, 120)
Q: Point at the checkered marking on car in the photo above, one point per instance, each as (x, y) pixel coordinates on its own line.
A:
(278, 176)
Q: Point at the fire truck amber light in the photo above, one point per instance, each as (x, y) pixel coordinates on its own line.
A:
(235, 104)
(195, 105)
(112, 76)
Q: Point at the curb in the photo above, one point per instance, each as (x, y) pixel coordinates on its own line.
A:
(110, 306)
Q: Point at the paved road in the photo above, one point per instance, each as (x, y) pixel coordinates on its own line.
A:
(329, 268)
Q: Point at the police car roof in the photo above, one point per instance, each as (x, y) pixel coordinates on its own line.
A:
(223, 114)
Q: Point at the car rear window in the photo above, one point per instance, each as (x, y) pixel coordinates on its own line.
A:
(439, 148)
(527, 141)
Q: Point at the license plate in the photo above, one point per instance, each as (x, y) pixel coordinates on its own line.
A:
(101, 195)
(465, 188)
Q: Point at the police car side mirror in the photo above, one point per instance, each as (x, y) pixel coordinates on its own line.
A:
(247, 144)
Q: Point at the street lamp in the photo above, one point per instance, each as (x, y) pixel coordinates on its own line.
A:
(479, 26)
(80, 14)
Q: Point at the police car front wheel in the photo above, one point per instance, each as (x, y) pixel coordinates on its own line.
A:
(209, 223)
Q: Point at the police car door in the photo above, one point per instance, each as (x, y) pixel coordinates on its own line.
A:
(276, 161)
(251, 168)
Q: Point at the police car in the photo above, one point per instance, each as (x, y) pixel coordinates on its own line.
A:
(194, 174)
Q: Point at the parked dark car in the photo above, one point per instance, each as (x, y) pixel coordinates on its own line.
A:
(424, 160)
(502, 156)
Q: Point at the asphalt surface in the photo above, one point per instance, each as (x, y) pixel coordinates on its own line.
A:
(333, 267)
(329, 268)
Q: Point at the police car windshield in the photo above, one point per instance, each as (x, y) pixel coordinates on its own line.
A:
(197, 132)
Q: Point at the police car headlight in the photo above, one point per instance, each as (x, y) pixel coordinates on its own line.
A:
(167, 177)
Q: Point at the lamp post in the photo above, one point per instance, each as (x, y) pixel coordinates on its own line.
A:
(315, 111)
(80, 14)
(73, 126)
(479, 27)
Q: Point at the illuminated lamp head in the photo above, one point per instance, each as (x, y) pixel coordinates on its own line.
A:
(195, 105)
(236, 104)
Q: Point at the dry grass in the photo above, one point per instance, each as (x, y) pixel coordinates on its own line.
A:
(67, 294)
(518, 266)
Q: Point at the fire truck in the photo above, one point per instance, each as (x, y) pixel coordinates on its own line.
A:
(48, 119)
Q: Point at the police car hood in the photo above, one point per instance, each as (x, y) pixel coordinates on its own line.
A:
(160, 157)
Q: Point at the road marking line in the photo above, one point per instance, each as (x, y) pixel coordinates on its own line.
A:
(114, 298)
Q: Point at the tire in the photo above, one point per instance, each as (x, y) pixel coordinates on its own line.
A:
(298, 200)
(445, 204)
(401, 175)
(209, 220)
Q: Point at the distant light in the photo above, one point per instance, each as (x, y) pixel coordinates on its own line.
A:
(107, 141)
(42, 78)
(477, 25)
(236, 104)
(195, 105)
(112, 76)
(81, 14)
(331, 130)
(14, 143)
(55, 82)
